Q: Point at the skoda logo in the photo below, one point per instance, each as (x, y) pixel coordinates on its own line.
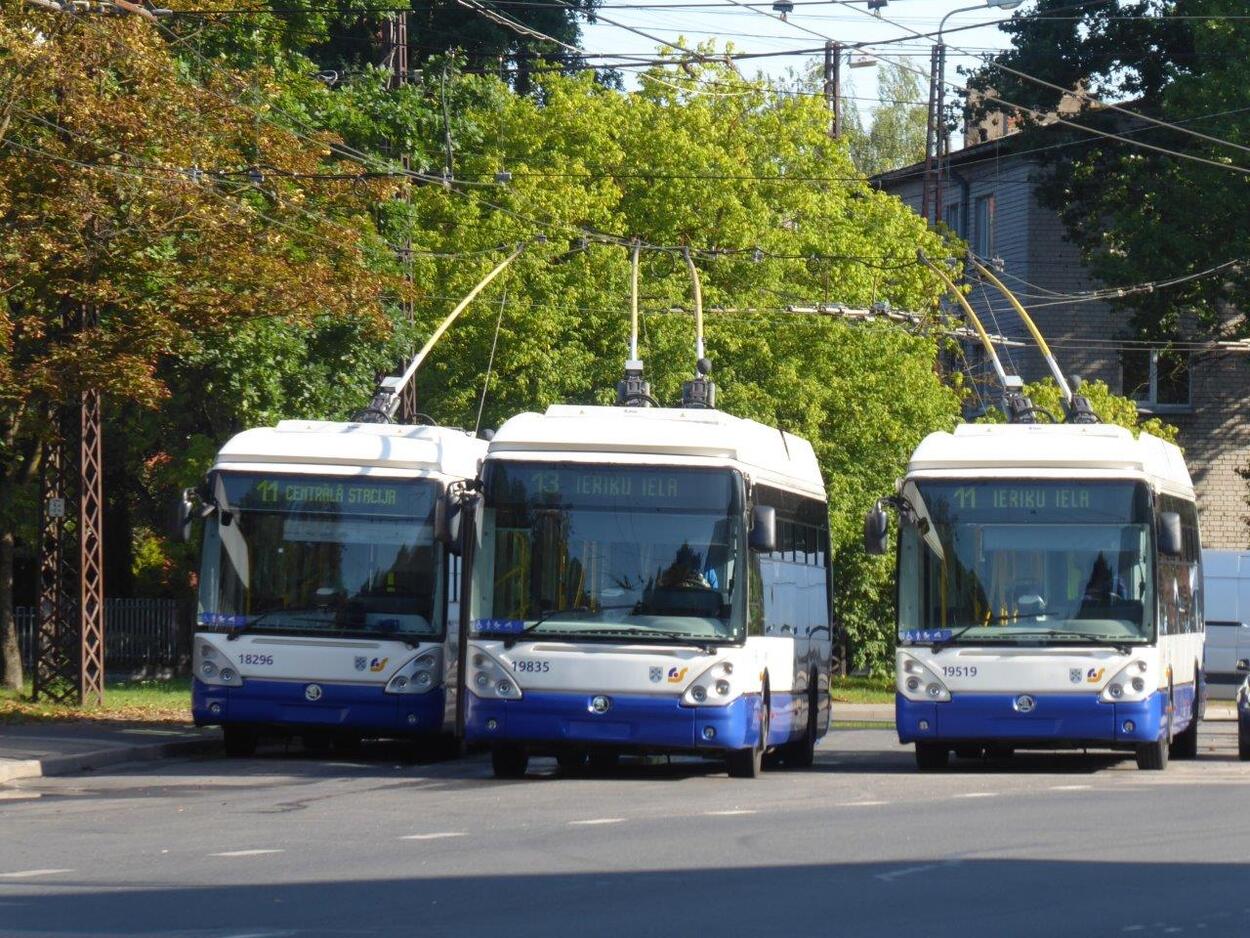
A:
(600, 704)
(1024, 704)
(312, 692)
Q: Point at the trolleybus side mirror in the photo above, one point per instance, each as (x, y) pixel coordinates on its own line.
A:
(764, 529)
(447, 522)
(180, 516)
(876, 530)
(1243, 664)
(1171, 541)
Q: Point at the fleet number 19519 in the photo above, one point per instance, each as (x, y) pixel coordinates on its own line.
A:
(959, 670)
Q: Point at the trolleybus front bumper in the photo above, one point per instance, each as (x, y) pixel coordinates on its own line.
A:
(634, 722)
(294, 705)
(1051, 720)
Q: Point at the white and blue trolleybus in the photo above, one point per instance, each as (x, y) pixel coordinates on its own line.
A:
(648, 579)
(1049, 594)
(328, 579)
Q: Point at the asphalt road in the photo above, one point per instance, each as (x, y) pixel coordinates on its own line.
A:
(283, 845)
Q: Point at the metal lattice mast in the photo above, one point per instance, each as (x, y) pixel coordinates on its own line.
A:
(56, 665)
(91, 542)
(395, 57)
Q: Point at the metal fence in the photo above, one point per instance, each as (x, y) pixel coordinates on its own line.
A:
(139, 634)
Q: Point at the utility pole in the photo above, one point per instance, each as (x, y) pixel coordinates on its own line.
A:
(395, 57)
(833, 86)
(69, 666)
(932, 146)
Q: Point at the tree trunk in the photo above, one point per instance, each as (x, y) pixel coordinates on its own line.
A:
(9, 650)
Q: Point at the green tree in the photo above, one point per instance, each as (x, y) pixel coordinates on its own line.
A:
(896, 134)
(1110, 408)
(1140, 215)
(100, 208)
(673, 166)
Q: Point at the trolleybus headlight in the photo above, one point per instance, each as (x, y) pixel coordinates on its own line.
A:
(399, 682)
(227, 674)
(504, 688)
(208, 669)
(728, 667)
(481, 680)
(422, 679)
(425, 661)
(920, 683)
(710, 688)
(698, 693)
(1130, 683)
(722, 688)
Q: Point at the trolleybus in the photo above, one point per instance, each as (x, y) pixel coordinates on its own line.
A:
(648, 579)
(1049, 593)
(327, 583)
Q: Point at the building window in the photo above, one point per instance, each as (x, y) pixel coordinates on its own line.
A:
(983, 233)
(1156, 379)
(952, 219)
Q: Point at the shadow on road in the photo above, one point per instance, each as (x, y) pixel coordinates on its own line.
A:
(915, 894)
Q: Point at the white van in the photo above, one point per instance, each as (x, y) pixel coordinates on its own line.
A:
(1227, 585)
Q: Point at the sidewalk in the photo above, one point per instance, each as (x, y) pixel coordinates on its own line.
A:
(32, 750)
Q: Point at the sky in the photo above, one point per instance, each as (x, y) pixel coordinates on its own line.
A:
(807, 27)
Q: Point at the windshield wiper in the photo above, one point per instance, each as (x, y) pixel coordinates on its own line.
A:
(552, 613)
(238, 630)
(950, 639)
(1123, 647)
(705, 644)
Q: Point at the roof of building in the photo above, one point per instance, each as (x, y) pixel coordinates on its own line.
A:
(661, 434)
(345, 448)
(1051, 450)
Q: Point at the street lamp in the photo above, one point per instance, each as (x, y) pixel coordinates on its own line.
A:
(936, 138)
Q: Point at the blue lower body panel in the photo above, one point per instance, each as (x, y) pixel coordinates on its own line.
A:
(349, 707)
(1061, 719)
(634, 721)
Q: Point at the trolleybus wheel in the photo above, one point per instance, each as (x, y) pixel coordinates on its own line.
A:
(509, 761)
(968, 752)
(571, 761)
(749, 763)
(1243, 743)
(318, 744)
(239, 740)
(930, 756)
(1153, 756)
(801, 754)
(347, 744)
(604, 760)
(1185, 744)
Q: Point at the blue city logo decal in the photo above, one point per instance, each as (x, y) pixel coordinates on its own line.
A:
(361, 662)
(927, 635)
(498, 626)
(1074, 675)
(656, 675)
(221, 618)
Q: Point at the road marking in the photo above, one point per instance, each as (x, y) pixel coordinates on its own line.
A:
(859, 804)
(978, 794)
(599, 820)
(25, 874)
(244, 853)
(909, 870)
(733, 813)
(1071, 787)
(439, 836)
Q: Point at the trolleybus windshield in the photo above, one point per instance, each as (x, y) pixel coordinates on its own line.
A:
(615, 553)
(314, 554)
(1009, 561)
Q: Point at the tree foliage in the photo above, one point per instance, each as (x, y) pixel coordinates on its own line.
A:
(1110, 408)
(1140, 215)
(895, 136)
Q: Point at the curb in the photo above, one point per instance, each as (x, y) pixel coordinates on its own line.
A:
(14, 769)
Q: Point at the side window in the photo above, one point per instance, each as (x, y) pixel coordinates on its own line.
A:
(1180, 578)
(790, 592)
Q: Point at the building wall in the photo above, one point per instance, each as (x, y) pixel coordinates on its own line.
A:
(1043, 267)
